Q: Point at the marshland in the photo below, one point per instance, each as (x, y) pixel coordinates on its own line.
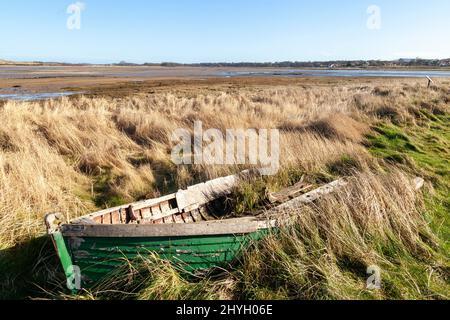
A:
(112, 145)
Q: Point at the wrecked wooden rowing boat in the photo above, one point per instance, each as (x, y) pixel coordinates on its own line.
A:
(186, 227)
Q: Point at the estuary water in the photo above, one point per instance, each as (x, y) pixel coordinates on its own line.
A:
(339, 73)
(34, 96)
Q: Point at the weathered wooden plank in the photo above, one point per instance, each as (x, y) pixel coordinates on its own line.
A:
(308, 197)
(231, 226)
(178, 218)
(146, 213)
(187, 217)
(322, 191)
(288, 193)
(156, 211)
(196, 216)
(158, 221)
(115, 217)
(160, 215)
(165, 208)
(88, 221)
(203, 193)
(136, 206)
(98, 219)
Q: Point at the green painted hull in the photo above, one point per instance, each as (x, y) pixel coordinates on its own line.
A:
(97, 258)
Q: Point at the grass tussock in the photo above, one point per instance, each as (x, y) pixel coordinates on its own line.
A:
(79, 155)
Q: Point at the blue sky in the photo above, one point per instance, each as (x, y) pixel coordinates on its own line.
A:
(227, 30)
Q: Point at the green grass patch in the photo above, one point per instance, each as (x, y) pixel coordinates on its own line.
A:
(424, 150)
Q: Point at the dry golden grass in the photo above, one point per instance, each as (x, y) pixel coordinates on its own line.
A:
(76, 155)
(52, 152)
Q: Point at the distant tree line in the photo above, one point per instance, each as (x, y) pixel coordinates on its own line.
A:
(283, 64)
(309, 64)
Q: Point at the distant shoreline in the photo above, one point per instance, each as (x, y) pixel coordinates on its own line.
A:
(407, 64)
(120, 86)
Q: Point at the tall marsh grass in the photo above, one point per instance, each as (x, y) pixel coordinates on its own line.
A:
(78, 155)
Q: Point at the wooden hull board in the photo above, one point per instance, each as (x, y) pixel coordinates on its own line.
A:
(97, 258)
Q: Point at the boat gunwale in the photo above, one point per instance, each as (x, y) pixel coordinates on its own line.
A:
(233, 226)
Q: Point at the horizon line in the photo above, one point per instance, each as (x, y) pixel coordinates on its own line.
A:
(44, 61)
